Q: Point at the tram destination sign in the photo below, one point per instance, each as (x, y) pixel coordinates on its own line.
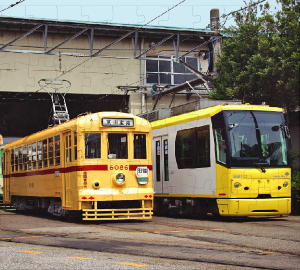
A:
(117, 122)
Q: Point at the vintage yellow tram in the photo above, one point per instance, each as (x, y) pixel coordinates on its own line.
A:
(97, 165)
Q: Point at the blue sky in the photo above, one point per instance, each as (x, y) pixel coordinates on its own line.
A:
(190, 14)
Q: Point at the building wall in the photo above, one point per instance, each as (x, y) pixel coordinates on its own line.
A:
(20, 72)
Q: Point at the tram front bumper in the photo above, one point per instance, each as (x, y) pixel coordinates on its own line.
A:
(254, 207)
(145, 211)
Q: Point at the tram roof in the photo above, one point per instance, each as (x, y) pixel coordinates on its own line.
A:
(82, 121)
(207, 113)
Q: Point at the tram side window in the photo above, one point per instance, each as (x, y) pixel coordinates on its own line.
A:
(220, 144)
(92, 145)
(117, 146)
(20, 158)
(192, 148)
(75, 145)
(69, 148)
(12, 159)
(45, 153)
(57, 150)
(3, 163)
(157, 160)
(202, 148)
(139, 142)
(33, 155)
(50, 151)
(39, 154)
(25, 160)
(166, 160)
(16, 160)
(183, 149)
(29, 156)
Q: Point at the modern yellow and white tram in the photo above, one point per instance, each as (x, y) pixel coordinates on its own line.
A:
(229, 160)
(97, 165)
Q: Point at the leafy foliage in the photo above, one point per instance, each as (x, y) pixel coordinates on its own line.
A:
(260, 56)
(295, 181)
(260, 61)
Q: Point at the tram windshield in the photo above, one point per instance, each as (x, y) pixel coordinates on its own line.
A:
(254, 139)
(117, 146)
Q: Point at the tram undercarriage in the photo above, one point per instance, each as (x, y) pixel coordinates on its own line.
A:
(195, 207)
(102, 210)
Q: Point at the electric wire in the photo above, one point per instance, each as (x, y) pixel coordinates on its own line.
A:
(12, 5)
(70, 70)
(225, 17)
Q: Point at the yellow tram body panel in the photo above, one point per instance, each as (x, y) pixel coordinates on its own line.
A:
(249, 190)
(61, 163)
(254, 207)
(207, 113)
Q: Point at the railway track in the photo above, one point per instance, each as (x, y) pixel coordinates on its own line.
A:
(239, 243)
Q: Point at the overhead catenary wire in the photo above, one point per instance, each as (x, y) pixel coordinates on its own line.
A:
(12, 5)
(225, 16)
(71, 69)
(138, 81)
(118, 90)
(137, 29)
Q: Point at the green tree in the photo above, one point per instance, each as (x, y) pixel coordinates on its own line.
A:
(260, 56)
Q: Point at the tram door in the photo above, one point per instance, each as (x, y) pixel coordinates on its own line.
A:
(67, 202)
(161, 164)
(6, 179)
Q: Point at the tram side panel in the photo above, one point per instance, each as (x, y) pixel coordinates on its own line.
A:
(223, 187)
(29, 174)
(1, 170)
(50, 170)
(187, 180)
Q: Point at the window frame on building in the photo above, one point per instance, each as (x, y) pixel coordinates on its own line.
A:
(175, 69)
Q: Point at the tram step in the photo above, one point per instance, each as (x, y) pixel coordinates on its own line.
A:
(6, 207)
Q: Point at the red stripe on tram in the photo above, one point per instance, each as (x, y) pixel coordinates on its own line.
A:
(61, 170)
(86, 168)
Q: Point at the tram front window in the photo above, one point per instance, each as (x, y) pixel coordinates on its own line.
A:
(257, 139)
(117, 146)
(92, 145)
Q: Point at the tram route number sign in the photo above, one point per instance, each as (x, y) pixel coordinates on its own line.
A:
(142, 173)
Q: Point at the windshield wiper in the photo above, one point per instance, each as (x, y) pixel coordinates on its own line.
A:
(258, 138)
(259, 166)
(255, 163)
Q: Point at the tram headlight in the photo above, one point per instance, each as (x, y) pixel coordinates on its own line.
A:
(236, 185)
(119, 179)
(285, 184)
(96, 185)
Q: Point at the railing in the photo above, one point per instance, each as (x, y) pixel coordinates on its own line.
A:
(116, 214)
